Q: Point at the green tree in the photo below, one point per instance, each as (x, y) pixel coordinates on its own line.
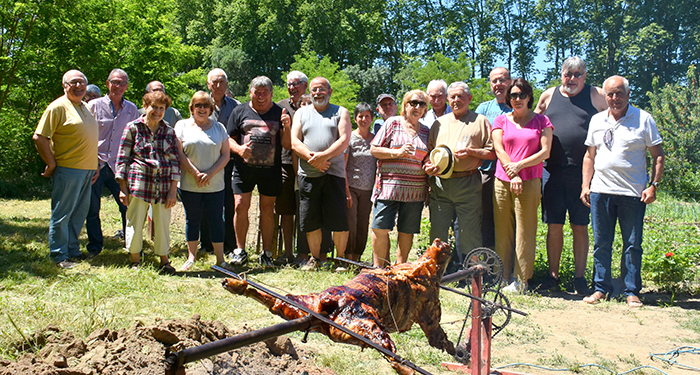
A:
(266, 31)
(661, 40)
(603, 38)
(344, 89)
(475, 26)
(559, 25)
(418, 73)
(518, 19)
(348, 32)
(51, 37)
(675, 109)
(372, 82)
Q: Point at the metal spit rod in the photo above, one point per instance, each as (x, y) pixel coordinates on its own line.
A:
(178, 359)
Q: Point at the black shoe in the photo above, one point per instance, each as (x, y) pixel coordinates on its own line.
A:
(118, 235)
(285, 260)
(549, 284)
(266, 259)
(91, 255)
(167, 269)
(79, 258)
(66, 264)
(239, 258)
(581, 286)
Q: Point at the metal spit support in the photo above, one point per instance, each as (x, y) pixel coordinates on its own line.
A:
(480, 336)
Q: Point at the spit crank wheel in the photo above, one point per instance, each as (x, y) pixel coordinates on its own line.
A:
(490, 261)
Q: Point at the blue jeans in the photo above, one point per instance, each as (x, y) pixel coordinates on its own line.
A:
(606, 211)
(70, 200)
(229, 209)
(203, 205)
(93, 225)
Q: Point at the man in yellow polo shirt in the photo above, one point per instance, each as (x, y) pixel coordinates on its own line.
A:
(66, 139)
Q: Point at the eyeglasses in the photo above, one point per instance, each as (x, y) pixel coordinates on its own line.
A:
(570, 75)
(608, 139)
(294, 84)
(202, 105)
(118, 83)
(417, 103)
(518, 95)
(76, 82)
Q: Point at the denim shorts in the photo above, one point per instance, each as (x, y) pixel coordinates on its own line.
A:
(409, 215)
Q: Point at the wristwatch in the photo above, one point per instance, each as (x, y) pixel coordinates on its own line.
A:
(654, 184)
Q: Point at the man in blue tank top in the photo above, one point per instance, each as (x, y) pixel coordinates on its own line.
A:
(569, 107)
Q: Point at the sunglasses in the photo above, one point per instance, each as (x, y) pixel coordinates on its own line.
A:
(608, 139)
(417, 103)
(118, 83)
(518, 95)
(573, 75)
(202, 105)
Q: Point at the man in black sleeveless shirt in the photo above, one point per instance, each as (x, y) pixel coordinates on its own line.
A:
(569, 107)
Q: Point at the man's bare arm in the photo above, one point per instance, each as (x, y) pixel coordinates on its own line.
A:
(297, 136)
(657, 170)
(43, 145)
(598, 99)
(545, 98)
(588, 164)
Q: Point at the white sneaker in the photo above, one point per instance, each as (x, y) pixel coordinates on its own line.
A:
(516, 287)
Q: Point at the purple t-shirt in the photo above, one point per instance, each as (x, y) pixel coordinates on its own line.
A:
(520, 144)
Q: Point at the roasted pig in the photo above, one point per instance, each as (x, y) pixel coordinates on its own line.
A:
(374, 303)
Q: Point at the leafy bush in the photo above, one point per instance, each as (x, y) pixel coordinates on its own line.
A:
(670, 271)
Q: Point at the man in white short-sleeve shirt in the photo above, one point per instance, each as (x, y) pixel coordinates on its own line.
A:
(618, 140)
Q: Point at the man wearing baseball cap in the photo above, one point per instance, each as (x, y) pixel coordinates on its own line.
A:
(386, 107)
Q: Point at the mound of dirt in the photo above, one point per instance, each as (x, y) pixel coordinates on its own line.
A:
(142, 350)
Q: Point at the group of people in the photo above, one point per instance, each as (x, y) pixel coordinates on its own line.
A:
(483, 173)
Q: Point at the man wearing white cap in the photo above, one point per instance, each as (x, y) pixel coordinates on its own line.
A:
(460, 140)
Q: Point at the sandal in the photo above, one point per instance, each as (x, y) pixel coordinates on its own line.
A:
(594, 298)
(634, 302)
(187, 265)
(167, 269)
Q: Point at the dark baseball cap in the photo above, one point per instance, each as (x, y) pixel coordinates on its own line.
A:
(384, 96)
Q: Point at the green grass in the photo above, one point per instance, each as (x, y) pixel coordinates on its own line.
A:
(107, 294)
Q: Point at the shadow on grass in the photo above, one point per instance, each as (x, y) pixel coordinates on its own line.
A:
(23, 244)
(209, 274)
(27, 186)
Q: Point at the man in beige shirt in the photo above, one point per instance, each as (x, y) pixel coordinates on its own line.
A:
(468, 136)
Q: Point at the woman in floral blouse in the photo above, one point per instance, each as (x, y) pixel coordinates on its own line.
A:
(401, 185)
(148, 171)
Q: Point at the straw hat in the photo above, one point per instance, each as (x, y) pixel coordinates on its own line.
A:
(442, 157)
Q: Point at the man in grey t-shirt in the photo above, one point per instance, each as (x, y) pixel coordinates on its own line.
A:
(320, 135)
